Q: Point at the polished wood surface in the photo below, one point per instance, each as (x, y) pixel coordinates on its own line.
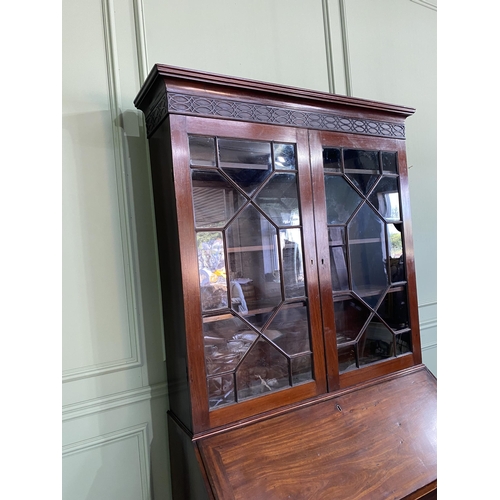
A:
(378, 442)
(366, 433)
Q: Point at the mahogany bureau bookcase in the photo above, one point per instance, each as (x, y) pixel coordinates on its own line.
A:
(288, 290)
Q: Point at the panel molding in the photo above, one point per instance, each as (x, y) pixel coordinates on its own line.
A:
(101, 369)
(139, 432)
(428, 325)
(345, 47)
(329, 47)
(140, 39)
(425, 3)
(428, 304)
(429, 347)
(125, 211)
(97, 405)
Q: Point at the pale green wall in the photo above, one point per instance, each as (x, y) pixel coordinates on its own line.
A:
(114, 391)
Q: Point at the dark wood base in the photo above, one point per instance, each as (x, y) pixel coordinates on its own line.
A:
(375, 442)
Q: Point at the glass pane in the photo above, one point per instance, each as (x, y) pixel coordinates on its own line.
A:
(202, 151)
(347, 358)
(394, 309)
(364, 182)
(338, 269)
(293, 272)
(389, 162)
(341, 199)
(336, 235)
(290, 329)
(284, 157)
(215, 199)
(302, 369)
(385, 198)
(212, 270)
(338, 258)
(403, 343)
(227, 339)
(395, 241)
(262, 371)
(361, 160)
(367, 251)
(279, 200)
(331, 159)
(350, 317)
(220, 390)
(247, 163)
(376, 343)
(254, 261)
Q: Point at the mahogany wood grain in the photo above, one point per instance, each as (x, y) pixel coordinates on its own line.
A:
(369, 433)
(174, 78)
(190, 274)
(173, 305)
(378, 442)
(409, 254)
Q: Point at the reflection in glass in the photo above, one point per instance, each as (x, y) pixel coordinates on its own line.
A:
(293, 272)
(302, 369)
(338, 258)
(284, 157)
(385, 198)
(389, 162)
(290, 329)
(246, 210)
(361, 160)
(395, 246)
(336, 235)
(279, 199)
(262, 371)
(253, 254)
(220, 390)
(347, 358)
(376, 343)
(367, 252)
(403, 343)
(338, 268)
(227, 338)
(215, 200)
(247, 163)
(394, 309)
(212, 270)
(366, 255)
(341, 199)
(350, 317)
(364, 182)
(202, 151)
(331, 159)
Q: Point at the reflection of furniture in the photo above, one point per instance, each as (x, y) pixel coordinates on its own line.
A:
(238, 297)
(288, 412)
(292, 262)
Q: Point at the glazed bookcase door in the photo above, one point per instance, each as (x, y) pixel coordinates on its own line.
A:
(247, 227)
(365, 258)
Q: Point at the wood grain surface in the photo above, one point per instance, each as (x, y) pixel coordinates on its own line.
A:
(378, 442)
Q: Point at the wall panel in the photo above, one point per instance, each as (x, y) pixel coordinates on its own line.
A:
(114, 391)
(100, 331)
(280, 41)
(91, 468)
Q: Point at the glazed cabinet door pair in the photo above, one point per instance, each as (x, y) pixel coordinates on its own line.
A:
(294, 273)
